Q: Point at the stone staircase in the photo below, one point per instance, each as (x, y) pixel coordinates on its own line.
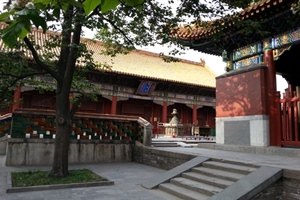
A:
(203, 178)
(207, 180)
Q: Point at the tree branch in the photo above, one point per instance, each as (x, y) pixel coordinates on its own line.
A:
(81, 99)
(17, 78)
(37, 59)
(117, 28)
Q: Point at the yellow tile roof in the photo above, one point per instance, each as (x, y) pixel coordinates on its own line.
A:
(143, 64)
(149, 65)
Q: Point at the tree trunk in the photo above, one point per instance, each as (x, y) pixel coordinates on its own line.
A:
(62, 140)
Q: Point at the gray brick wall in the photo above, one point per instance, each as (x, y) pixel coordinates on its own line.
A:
(160, 159)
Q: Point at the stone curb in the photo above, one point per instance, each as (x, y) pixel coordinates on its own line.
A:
(250, 185)
(11, 189)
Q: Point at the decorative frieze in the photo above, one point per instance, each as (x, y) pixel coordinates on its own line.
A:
(126, 90)
(248, 62)
(279, 44)
(286, 39)
(171, 95)
(205, 99)
(181, 96)
(247, 51)
(158, 94)
(190, 97)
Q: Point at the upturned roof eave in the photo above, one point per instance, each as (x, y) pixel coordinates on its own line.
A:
(200, 40)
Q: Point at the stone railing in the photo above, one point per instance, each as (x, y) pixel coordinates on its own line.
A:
(35, 123)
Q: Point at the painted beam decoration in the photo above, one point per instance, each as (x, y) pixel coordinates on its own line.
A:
(247, 51)
(246, 56)
(248, 62)
(253, 54)
(286, 39)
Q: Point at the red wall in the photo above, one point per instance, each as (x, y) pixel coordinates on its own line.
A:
(136, 107)
(241, 94)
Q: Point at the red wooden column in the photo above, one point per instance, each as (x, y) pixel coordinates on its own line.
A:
(195, 114)
(113, 110)
(275, 138)
(164, 112)
(17, 97)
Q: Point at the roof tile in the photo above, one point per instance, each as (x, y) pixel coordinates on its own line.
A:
(140, 63)
(201, 32)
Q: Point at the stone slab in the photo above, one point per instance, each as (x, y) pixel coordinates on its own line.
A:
(250, 185)
(162, 178)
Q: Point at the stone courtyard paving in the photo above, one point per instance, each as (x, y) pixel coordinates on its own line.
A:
(127, 177)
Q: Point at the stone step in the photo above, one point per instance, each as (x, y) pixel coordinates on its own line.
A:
(175, 172)
(221, 183)
(164, 194)
(229, 176)
(250, 185)
(234, 162)
(181, 192)
(229, 167)
(203, 188)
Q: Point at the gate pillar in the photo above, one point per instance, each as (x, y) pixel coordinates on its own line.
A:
(242, 107)
(273, 109)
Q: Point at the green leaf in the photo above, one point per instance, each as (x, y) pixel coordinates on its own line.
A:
(11, 33)
(25, 30)
(90, 5)
(39, 21)
(75, 3)
(24, 12)
(56, 13)
(134, 3)
(42, 1)
(33, 15)
(23, 33)
(138, 4)
(6, 14)
(108, 5)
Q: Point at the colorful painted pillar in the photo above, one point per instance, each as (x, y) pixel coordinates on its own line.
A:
(17, 97)
(273, 109)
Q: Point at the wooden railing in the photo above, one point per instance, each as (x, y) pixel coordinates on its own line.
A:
(290, 120)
